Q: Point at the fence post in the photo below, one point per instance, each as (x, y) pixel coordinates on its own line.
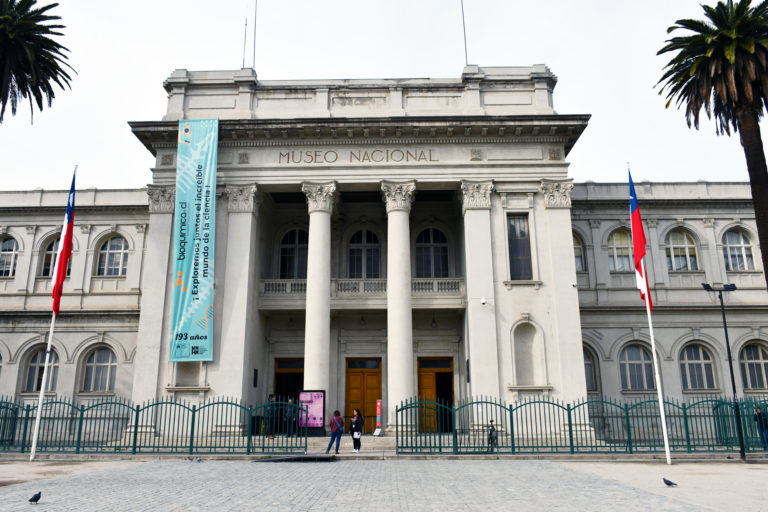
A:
(570, 426)
(192, 430)
(79, 429)
(250, 429)
(24, 431)
(629, 428)
(455, 437)
(512, 428)
(687, 428)
(135, 429)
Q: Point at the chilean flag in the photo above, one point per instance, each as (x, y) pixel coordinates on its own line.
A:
(65, 249)
(638, 244)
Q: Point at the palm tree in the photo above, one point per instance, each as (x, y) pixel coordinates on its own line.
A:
(723, 66)
(30, 61)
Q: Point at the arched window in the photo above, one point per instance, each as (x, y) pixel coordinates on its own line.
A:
(49, 259)
(113, 257)
(591, 372)
(9, 251)
(35, 367)
(578, 254)
(681, 251)
(754, 366)
(620, 251)
(293, 254)
(431, 254)
(696, 368)
(99, 371)
(364, 255)
(636, 367)
(737, 251)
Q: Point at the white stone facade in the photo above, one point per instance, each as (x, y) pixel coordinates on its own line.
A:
(419, 232)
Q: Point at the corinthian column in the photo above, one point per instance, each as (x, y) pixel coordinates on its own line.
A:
(482, 342)
(154, 286)
(398, 197)
(317, 337)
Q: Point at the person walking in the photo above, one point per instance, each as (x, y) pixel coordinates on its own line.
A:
(337, 429)
(356, 429)
(270, 417)
(762, 427)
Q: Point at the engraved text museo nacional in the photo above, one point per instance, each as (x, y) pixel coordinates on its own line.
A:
(353, 156)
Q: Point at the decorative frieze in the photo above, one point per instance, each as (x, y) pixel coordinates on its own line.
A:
(31, 229)
(557, 194)
(320, 196)
(708, 222)
(141, 228)
(476, 195)
(85, 228)
(398, 195)
(161, 198)
(651, 223)
(241, 198)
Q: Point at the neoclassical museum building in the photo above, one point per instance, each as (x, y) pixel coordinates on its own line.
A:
(382, 239)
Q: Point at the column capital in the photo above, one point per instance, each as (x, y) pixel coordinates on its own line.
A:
(557, 194)
(476, 195)
(242, 198)
(161, 198)
(398, 195)
(320, 196)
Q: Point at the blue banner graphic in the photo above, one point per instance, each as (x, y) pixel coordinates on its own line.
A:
(193, 241)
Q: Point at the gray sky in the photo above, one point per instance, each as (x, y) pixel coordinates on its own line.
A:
(603, 52)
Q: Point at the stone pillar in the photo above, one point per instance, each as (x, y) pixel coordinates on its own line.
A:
(154, 293)
(400, 385)
(240, 276)
(317, 335)
(482, 339)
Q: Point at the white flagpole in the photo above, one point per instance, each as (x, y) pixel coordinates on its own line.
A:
(43, 385)
(655, 363)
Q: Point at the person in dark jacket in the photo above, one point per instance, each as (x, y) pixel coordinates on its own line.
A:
(356, 429)
(290, 418)
(761, 423)
(337, 429)
(270, 417)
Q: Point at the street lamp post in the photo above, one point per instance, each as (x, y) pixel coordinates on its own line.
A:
(730, 288)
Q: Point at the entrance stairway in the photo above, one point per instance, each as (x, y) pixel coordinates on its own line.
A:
(368, 443)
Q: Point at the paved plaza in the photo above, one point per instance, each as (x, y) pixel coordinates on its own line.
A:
(391, 484)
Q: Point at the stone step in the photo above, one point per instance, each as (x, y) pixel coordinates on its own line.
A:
(368, 442)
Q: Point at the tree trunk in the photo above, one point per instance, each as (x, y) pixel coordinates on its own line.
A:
(752, 143)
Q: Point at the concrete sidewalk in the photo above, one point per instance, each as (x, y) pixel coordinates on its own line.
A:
(390, 484)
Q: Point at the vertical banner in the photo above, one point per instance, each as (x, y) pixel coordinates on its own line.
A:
(193, 241)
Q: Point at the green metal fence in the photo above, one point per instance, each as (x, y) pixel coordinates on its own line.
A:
(159, 426)
(487, 425)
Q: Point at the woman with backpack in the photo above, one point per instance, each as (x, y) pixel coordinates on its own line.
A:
(337, 429)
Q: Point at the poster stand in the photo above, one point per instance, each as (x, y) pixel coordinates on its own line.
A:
(314, 401)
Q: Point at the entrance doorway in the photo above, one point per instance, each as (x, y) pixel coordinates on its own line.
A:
(363, 388)
(436, 384)
(289, 377)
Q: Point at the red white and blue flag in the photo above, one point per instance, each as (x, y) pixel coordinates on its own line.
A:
(65, 249)
(638, 245)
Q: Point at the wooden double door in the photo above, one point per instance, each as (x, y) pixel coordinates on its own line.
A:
(363, 388)
(436, 385)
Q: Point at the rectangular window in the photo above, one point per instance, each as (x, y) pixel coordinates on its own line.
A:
(519, 248)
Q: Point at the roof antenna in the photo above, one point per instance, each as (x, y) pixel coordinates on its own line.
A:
(255, 13)
(464, 26)
(245, 36)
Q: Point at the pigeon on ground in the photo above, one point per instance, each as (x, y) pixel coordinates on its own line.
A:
(34, 499)
(669, 483)
(198, 459)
